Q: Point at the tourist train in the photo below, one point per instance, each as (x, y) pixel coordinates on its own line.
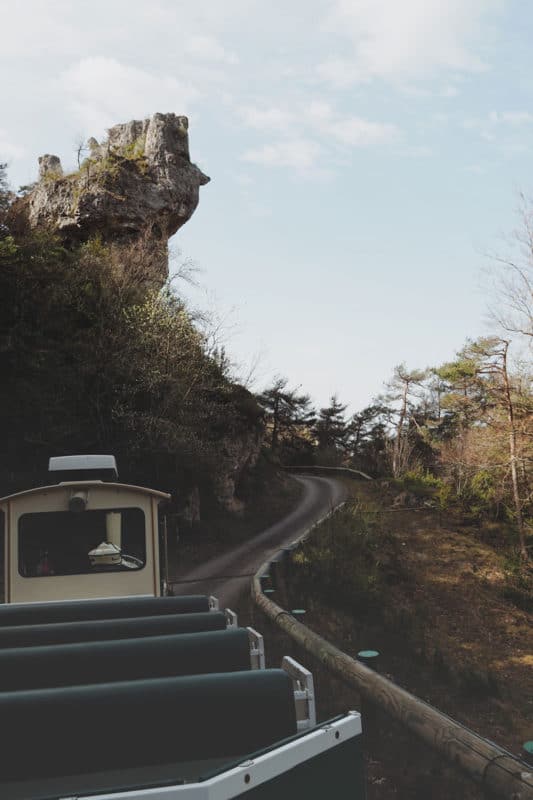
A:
(112, 689)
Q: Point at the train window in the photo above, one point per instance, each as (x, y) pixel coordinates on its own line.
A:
(70, 543)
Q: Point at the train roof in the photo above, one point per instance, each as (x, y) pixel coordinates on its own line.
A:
(77, 484)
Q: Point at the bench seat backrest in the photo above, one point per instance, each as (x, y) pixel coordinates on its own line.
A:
(113, 608)
(107, 629)
(60, 665)
(83, 729)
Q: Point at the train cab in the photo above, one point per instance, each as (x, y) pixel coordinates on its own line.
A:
(85, 536)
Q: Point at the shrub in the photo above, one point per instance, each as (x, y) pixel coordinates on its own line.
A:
(343, 559)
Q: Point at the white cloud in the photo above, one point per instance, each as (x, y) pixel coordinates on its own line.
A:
(321, 119)
(450, 91)
(509, 131)
(475, 169)
(102, 91)
(270, 119)
(494, 120)
(349, 130)
(299, 154)
(357, 132)
(258, 211)
(8, 148)
(244, 181)
(341, 72)
(86, 75)
(330, 130)
(207, 48)
(407, 40)
(417, 151)
(511, 117)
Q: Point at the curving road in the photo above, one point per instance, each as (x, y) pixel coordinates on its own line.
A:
(228, 575)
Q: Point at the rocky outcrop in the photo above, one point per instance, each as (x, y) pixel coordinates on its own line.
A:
(240, 455)
(139, 185)
(49, 167)
(191, 512)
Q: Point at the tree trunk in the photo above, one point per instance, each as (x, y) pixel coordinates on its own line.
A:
(513, 456)
(399, 429)
(275, 425)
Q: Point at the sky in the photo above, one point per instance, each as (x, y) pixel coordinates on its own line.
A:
(365, 158)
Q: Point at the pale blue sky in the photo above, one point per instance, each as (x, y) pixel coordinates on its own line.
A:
(364, 155)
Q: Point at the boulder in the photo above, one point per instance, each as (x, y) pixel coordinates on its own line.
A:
(405, 500)
(50, 167)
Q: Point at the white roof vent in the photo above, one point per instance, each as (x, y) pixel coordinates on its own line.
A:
(92, 467)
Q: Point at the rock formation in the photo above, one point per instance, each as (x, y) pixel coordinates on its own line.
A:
(240, 455)
(139, 185)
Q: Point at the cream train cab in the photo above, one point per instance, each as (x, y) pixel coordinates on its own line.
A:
(84, 537)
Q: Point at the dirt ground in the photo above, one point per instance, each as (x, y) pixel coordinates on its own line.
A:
(445, 632)
(479, 643)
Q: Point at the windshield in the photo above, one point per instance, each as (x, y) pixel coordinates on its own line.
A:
(59, 542)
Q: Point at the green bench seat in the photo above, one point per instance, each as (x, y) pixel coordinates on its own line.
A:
(112, 608)
(107, 629)
(49, 733)
(124, 659)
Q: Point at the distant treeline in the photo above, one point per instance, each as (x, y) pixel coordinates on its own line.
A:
(460, 432)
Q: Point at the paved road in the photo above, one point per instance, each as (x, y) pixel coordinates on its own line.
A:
(228, 575)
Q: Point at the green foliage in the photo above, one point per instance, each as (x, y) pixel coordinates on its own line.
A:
(331, 432)
(420, 479)
(48, 177)
(479, 498)
(367, 439)
(5, 198)
(444, 496)
(482, 486)
(518, 586)
(8, 249)
(134, 150)
(98, 362)
(289, 420)
(107, 168)
(343, 559)
(26, 188)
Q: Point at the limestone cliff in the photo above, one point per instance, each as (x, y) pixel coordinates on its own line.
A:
(137, 185)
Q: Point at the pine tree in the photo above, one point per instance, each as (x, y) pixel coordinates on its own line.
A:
(331, 432)
(401, 390)
(288, 413)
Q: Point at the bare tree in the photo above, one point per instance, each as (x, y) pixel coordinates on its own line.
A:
(512, 309)
(5, 197)
(492, 356)
(400, 390)
(493, 401)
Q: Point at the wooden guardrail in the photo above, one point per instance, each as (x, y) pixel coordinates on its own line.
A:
(498, 771)
(352, 473)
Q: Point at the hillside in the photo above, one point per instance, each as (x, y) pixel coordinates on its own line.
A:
(98, 351)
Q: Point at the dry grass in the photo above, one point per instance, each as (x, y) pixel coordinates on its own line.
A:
(442, 622)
